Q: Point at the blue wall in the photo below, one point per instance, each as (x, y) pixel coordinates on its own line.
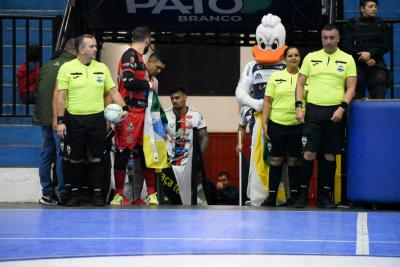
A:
(33, 7)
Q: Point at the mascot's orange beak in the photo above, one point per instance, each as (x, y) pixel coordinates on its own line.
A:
(268, 56)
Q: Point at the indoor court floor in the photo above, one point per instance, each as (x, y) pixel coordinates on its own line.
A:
(33, 235)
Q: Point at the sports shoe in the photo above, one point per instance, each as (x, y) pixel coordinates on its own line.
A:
(326, 203)
(119, 200)
(301, 201)
(152, 199)
(74, 200)
(138, 202)
(48, 201)
(98, 199)
(270, 201)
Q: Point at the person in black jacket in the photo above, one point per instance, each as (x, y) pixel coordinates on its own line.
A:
(226, 193)
(367, 39)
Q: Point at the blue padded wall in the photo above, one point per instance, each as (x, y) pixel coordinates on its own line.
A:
(374, 152)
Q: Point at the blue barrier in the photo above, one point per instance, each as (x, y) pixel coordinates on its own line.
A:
(374, 151)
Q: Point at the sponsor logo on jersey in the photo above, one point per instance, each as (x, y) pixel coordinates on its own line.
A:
(130, 127)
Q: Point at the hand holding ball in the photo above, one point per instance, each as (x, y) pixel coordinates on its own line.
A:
(112, 113)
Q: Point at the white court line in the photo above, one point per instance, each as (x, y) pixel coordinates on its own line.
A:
(201, 239)
(179, 239)
(362, 245)
(212, 209)
(198, 239)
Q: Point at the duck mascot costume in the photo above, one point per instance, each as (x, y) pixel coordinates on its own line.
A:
(268, 57)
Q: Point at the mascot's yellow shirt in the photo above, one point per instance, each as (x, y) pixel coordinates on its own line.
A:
(327, 75)
(281, 87)
(86, 86)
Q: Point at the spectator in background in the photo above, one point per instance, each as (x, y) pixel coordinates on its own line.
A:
(27, 75)
(226, 193)
(44, 117)
(367, 39)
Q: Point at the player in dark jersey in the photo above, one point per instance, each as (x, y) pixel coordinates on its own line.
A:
(134, 88)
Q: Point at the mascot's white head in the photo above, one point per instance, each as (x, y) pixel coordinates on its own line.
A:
(270, 35)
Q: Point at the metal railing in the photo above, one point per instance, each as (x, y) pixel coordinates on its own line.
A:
(17, 32)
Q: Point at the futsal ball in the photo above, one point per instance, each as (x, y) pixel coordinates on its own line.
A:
(112, 113)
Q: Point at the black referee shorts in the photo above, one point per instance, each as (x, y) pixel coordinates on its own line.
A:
(321, 132)
(86, 136)
(284, 140)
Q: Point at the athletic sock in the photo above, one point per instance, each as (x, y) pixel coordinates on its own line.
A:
(294, 180)
(328, 176)
(119, 177)
(275, 174)
(75, 171)
(96, 175)
(150, 178)
(306, 172)
(137, 179)
(65, 166)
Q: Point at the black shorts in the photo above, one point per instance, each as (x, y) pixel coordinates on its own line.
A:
(320, 132)
(284, 140)
(86, 136)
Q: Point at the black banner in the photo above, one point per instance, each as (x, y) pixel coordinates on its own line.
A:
(234, 16)
(169, 187)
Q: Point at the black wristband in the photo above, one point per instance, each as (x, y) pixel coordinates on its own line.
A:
(298, 104)
(125, 108)
(344, 105)
(60, 120)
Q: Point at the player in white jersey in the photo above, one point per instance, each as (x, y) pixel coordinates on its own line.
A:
(181, 122)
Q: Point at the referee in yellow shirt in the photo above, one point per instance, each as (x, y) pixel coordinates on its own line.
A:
(280, 126)
(331, 77)
(82, 84)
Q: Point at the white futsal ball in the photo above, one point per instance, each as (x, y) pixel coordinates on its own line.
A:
(112, 113)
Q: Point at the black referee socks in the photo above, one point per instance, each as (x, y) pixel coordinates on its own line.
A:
(275, 174)
(328, 169)
(294, 179)
(96, 175)
(306, 172)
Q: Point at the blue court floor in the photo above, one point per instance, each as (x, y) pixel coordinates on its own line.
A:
(45, 233)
